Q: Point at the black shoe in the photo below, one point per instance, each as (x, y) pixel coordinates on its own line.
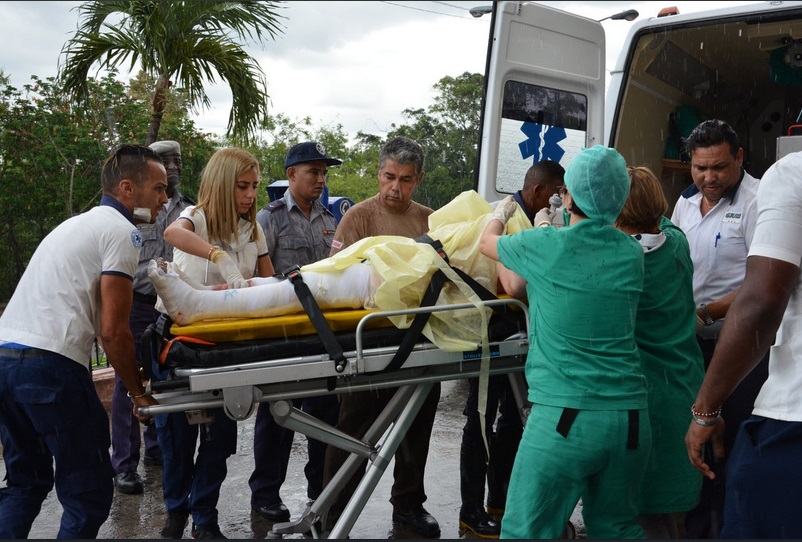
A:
(175, 524)
(419, 520)
(129, 483)
(207, 532)
(274, 512)
(479, 523)
(152, 460)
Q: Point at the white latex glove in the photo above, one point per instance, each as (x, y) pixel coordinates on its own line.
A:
(544, 217)
(505, 209)
(228, 269)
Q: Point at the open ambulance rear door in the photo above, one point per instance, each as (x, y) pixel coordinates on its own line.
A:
(544, 92)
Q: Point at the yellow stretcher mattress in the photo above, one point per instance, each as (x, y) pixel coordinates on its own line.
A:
(275, 327)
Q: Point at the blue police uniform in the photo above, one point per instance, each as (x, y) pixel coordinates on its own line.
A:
(292, 239)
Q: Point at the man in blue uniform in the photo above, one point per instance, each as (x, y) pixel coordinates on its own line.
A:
(299, 230)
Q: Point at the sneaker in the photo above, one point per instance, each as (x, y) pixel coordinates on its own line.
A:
(175, 524)
(207, 532)
(129, 483)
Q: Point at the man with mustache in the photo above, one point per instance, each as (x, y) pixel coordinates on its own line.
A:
(718, 213)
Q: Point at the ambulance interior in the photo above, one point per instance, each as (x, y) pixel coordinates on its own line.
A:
(745, 72)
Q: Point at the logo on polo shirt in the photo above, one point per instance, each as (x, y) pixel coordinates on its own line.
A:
(136, 238)
(732, 218)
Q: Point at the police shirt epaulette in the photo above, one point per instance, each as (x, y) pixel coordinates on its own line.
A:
(273, 205)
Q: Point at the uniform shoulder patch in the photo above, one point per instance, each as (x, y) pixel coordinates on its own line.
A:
(136, 238)
(273, 205)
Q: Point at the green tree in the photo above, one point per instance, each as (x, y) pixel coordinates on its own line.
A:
(51, 156)
(449, 133)
(187, 40)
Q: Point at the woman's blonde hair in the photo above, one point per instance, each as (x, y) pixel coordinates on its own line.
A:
(646, 202)
(216, 193)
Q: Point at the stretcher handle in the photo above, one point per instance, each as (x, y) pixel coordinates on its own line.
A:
(436, 308)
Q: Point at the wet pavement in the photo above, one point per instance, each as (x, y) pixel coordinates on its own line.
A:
(143, 516)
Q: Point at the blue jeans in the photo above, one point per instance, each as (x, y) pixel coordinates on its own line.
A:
(191, 484)
(764, 481)
(50, 411)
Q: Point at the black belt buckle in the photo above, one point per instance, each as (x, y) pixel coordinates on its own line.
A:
(293, 273)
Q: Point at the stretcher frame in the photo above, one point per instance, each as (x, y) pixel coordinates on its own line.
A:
(238, 388)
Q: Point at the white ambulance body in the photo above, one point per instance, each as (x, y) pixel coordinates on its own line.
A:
(545, 92)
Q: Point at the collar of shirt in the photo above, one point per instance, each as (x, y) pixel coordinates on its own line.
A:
(650, 241)
(517, 197)
(113, 202)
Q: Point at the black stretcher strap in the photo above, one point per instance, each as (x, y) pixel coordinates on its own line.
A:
(315, 315)
(416, 327)
(483, 293)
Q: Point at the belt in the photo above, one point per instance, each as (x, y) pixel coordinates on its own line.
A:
(22, 353)
(145, 299)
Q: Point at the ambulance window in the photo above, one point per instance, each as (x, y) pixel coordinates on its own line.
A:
(538, 123)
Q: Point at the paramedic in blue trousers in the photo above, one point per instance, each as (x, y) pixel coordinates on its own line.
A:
(217, 241)
(299, 230)
(76, 287)
(126, 439)
(542, 180)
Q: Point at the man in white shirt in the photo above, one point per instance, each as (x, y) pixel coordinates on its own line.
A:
(718, 214)
(763, 486)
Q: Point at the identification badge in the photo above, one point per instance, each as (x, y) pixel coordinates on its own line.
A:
(732, 218)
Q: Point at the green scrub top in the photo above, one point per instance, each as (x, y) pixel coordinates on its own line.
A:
(584, 283)
(674, 369)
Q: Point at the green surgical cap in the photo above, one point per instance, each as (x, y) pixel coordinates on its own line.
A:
(598, 181)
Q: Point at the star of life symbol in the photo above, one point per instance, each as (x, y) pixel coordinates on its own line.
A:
(542, 143)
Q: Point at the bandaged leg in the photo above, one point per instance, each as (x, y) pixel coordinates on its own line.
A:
(350, 288)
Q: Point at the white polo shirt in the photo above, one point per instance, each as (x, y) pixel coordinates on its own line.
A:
(56, 305)
(778, 235)
(719, 241)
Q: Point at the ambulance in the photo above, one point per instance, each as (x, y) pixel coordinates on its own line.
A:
(547, 95)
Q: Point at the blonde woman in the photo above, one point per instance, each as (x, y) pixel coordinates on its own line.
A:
(217, 241)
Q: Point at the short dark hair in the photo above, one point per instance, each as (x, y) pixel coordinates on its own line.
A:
(547, 172)
(713, 132)
(404, 151)
(126, 161)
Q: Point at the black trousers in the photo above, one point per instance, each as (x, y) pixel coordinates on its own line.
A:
(503, 440)
(357, 412)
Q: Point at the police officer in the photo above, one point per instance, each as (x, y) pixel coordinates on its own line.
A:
(125, 429)
(299, 230)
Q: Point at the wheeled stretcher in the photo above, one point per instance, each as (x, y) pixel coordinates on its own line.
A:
(436, 321)
(236, 364)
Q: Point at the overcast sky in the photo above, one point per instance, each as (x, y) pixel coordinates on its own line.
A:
(358, 64)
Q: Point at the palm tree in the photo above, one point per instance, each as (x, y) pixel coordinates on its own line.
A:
(193, 41)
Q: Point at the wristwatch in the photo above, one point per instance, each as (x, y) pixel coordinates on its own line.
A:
(706, 315)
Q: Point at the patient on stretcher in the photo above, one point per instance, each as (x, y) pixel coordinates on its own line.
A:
(384, 272)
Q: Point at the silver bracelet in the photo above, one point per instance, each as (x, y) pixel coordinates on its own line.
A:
(707, 423)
